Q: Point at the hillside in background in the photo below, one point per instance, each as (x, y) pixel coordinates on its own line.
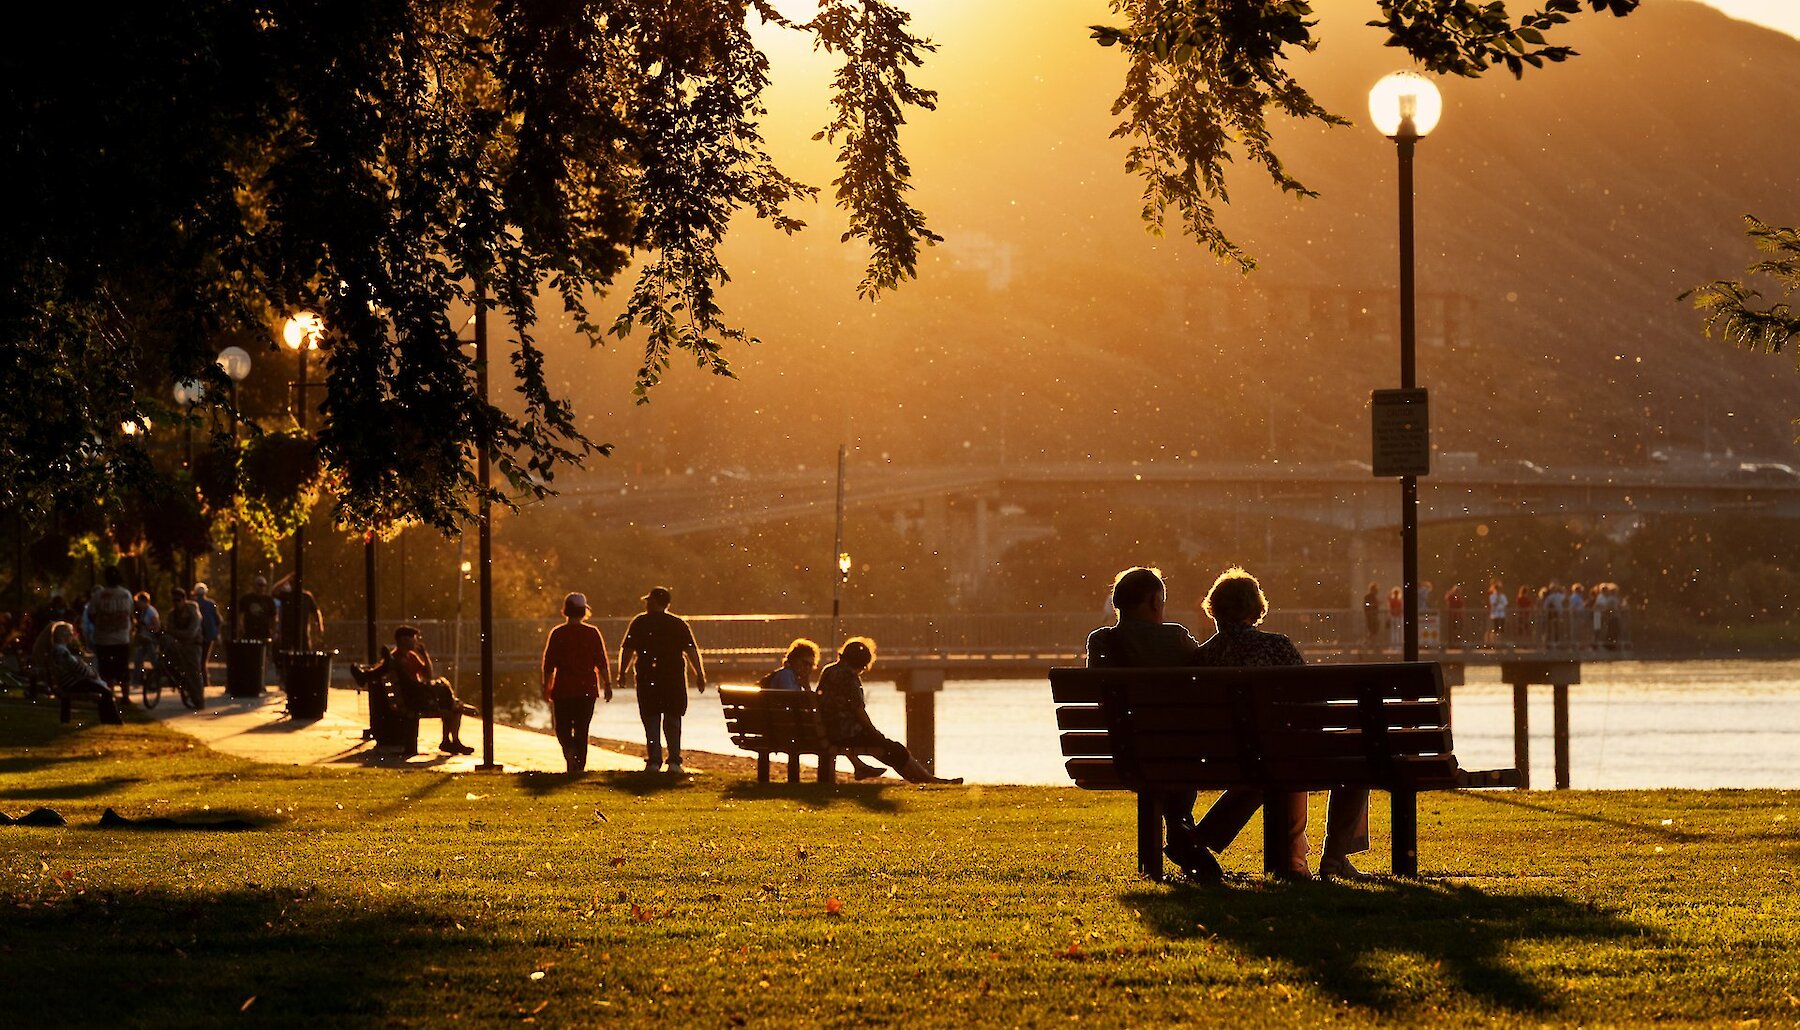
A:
(1559, 217)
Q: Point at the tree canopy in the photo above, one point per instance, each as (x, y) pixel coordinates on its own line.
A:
(191, 174)
(1739, 312)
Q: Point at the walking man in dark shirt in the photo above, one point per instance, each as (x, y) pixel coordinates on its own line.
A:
(662, 648)
(1141, 639)
(255, 613)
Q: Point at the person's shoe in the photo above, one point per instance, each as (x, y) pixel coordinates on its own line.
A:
(1292, 875)
(870, 772)
(464, 749)
(1339, 868)
(652, 765)
(675, 769)
(1196, 862)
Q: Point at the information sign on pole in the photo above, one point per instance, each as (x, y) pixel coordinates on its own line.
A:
(1401, 433)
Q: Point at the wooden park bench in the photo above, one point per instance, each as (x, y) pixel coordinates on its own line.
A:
(1303, 728)
(392, 722)
(778, 721)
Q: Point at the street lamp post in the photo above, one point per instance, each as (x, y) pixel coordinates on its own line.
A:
(302, 333)
(235, 363)
(843, 559)
(188, 392)
(1405, 107)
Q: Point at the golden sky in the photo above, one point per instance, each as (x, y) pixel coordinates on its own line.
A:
(1783, 15)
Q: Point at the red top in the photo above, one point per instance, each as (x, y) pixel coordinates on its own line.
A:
(574, 660)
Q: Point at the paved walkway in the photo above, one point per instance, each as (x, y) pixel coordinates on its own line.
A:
(259, 729)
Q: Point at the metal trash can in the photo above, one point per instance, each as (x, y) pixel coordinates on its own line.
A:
(244, 661)
(306, 676)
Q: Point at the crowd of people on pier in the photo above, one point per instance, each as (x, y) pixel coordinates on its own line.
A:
(1551, 617)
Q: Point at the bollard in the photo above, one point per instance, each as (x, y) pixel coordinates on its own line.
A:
(921, 688)
(1559, 674)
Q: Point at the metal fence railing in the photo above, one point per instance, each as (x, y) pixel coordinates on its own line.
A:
(1030, 635)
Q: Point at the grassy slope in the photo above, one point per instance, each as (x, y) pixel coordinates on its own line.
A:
(398, 898)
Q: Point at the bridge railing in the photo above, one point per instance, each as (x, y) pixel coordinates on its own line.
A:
(744, 639)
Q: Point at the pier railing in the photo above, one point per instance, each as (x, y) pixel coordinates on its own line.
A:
(1019, 638)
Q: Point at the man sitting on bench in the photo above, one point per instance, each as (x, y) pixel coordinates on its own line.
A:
(74, 677)
(425, 694)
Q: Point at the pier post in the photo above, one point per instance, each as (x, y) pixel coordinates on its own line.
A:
(921, 687)
(1559, 674)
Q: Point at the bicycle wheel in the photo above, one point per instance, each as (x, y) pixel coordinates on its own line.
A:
(152, 688)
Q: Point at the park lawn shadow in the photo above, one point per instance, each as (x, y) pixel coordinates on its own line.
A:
(1564, 811)
(1366, 945)
(874, 797)
(204, 820)
(638, 783)
(18, 765)
(74, 791)
(170, 958)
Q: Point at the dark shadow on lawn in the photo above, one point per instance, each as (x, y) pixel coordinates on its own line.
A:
(72, 791)
(1337, 936)
(308, 959)
(32, 723)
(18, 765)
(428, 785)
(1663, 832)
(871, 796)
(285, 724)
(206, 820)
(638, 784)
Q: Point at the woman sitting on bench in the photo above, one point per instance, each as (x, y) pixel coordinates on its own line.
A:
(424, 693)
(843, 708)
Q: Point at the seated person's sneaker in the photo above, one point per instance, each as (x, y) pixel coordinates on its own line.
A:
(1338, 867)
(1196, 862)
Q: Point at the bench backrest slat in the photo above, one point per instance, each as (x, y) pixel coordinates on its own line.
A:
(1292, 727)
(772, 720)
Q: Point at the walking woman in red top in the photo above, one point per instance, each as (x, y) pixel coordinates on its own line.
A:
(575, 665)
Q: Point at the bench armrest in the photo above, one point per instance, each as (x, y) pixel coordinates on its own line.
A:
(1474, 778)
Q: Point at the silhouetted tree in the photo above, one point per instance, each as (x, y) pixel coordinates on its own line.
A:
(1739, 312)
(186, 172)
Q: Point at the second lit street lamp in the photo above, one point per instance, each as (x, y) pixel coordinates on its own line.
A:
(1405, 107)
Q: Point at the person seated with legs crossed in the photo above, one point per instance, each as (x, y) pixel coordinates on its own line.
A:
(424, 693)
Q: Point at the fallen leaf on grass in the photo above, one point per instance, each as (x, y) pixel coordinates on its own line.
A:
(618, 861)
(542, 1005)
(472, 796)
(537, 974)
(245, 1007)
(834, 907)
(1074, 951)
(601, 816)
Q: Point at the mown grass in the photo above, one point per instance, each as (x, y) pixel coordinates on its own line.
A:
(389, 898)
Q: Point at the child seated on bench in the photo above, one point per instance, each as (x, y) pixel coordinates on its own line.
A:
(424, 693)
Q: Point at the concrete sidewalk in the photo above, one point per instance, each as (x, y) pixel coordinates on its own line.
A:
(259, 729)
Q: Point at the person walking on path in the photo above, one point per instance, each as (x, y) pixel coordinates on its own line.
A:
(146, 623)
(184, 625)
(210, 625)
(661, 647)
(1142, 639)
(109, 610)
(1236, 604)
(844, 711)
(300, 617)
(254, 615)
(575, 667)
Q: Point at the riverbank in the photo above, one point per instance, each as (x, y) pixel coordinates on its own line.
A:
(386, 897)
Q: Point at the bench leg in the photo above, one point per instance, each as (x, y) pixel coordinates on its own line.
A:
(1149, 835)
(827, 767)
(762, 767)
(793, 767)
(66, 706)
(1403, 817)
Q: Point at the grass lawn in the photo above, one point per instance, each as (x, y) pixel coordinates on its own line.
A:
(393, 898)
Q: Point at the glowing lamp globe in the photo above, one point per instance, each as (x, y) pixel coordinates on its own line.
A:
(1402, 96)
(303, 331)
(235, 363)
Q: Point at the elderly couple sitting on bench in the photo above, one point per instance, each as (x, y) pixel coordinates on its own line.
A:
(419, 692)
(1141, 639)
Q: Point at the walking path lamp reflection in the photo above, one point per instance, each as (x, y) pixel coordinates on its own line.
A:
(302, 333)
(188, 392)
(1405, 107)
(235, 363)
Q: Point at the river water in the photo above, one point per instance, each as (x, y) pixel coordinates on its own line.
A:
(1697, 724)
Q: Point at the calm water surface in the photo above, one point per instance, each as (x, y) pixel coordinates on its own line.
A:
(1632, 725)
